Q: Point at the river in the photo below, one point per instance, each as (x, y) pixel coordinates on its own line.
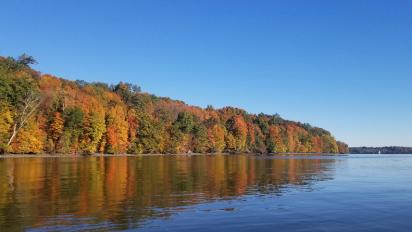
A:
(207, 193)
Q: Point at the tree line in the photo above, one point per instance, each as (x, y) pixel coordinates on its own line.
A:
(381, 150)
(46, 114)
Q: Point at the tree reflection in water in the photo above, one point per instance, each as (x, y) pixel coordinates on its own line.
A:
(123, 192)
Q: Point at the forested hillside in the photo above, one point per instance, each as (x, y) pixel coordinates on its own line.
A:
(46, 114)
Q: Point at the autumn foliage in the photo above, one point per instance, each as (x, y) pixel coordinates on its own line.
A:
(79, 117)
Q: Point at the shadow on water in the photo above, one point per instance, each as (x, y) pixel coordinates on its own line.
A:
(86, 193)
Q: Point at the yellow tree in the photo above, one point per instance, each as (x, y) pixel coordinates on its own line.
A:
(117, 130)
(56, 129)
(93, 130)
(6, 121)
(30, 139)
(216, 136)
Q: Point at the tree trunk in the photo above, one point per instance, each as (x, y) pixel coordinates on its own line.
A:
(12, 135)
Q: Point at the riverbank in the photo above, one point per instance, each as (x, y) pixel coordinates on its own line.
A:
(44, 155)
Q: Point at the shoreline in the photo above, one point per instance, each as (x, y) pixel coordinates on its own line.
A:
(45, 155)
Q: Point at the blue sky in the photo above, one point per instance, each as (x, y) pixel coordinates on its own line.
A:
(345, 66)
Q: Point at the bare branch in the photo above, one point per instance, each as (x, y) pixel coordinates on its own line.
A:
(29, 105)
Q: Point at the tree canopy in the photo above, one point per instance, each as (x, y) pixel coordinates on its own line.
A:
(42, 113)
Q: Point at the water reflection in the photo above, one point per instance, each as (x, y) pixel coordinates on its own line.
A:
(122, 192)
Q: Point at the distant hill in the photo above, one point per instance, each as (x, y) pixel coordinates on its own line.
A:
(382, 150)
(46, 114)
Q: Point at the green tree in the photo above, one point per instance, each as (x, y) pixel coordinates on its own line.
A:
(329, 144)
(150, 136)
(200, 139)
(93, 130)
(73, 118)
(184, 122)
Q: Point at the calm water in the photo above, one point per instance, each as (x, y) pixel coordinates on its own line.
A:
(207, 193)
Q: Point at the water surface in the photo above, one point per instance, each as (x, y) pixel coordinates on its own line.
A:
(207, 193)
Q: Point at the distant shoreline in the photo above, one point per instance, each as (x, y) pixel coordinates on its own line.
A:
(381, 150)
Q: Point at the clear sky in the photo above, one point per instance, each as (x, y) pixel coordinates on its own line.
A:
(344, 65)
